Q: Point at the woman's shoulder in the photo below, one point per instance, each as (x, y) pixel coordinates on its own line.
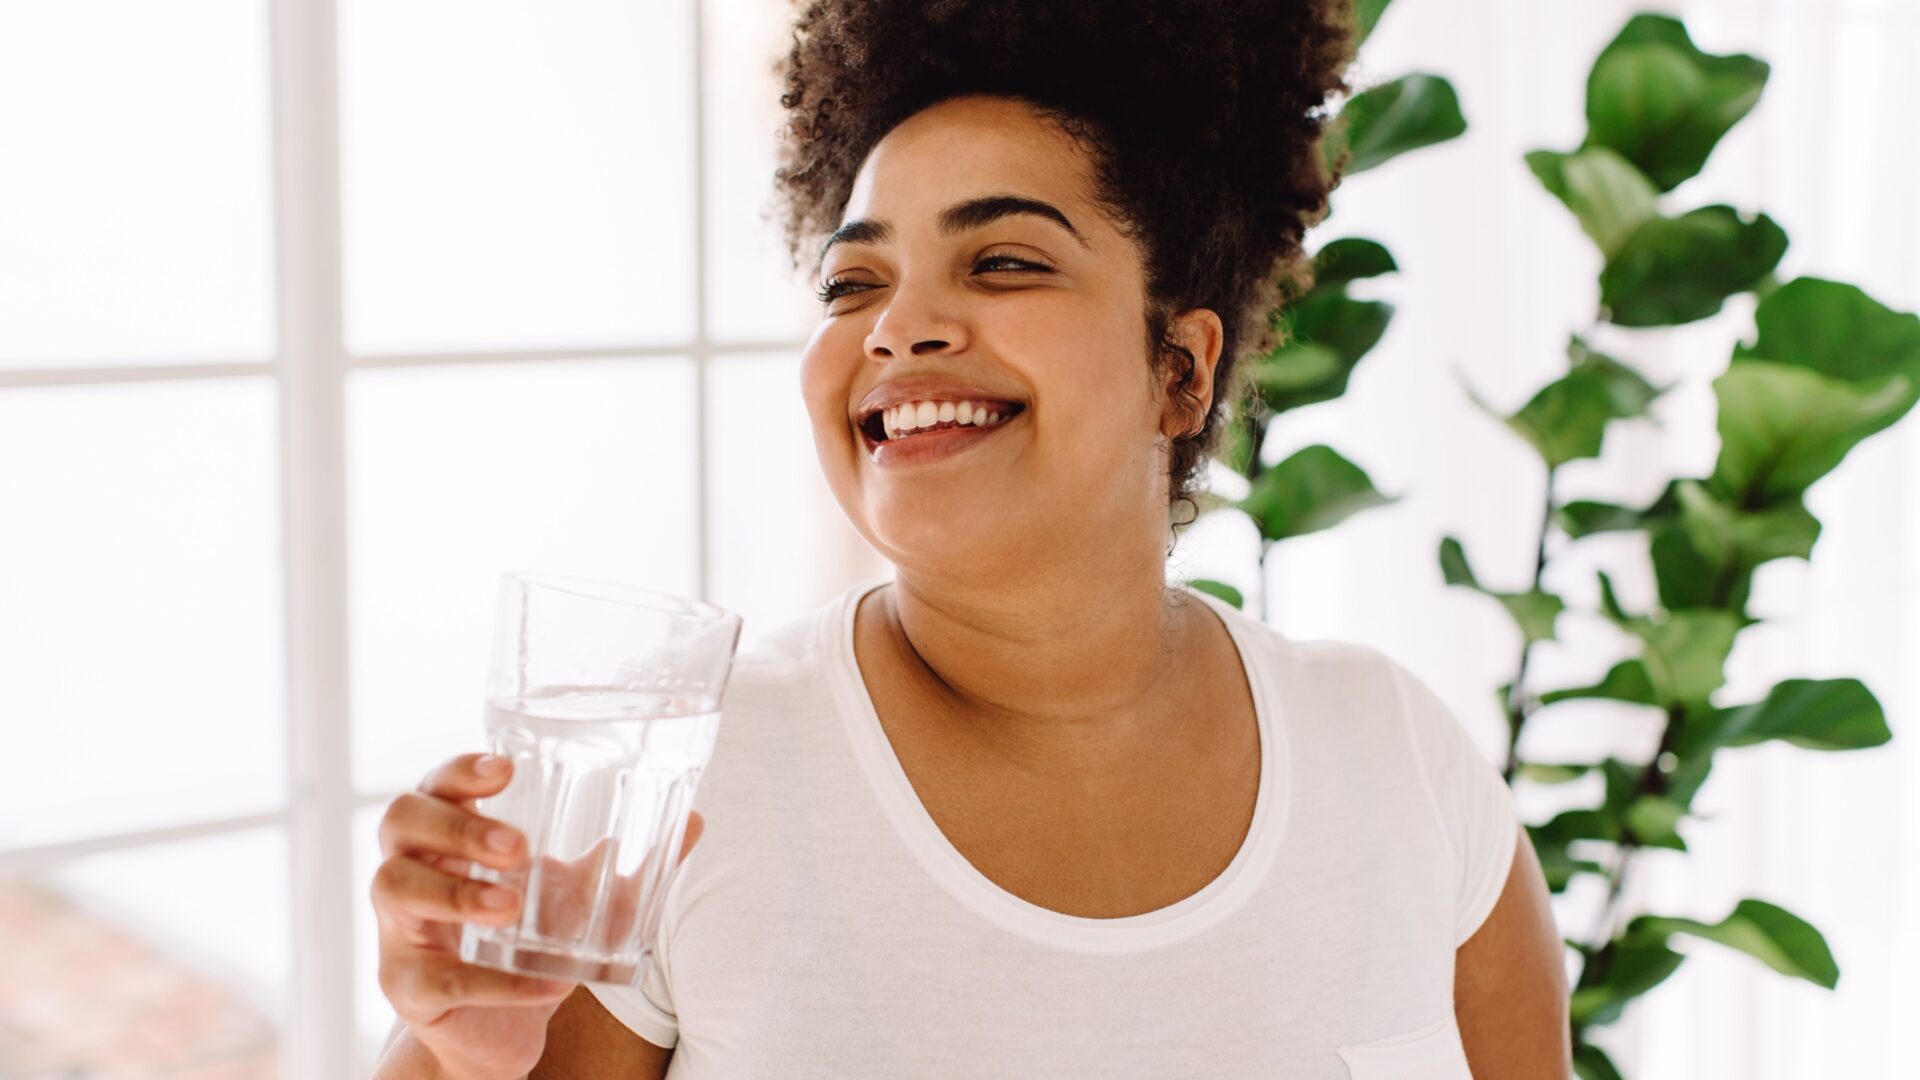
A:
(1314, 659)
(1344, 689)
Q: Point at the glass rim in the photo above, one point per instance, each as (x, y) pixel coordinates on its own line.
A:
(616, 592)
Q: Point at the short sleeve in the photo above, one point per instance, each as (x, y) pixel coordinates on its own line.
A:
(648, 1009)
(1472, 803)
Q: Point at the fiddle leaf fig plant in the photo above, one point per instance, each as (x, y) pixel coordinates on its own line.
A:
(1324, 332)
(1827, 367)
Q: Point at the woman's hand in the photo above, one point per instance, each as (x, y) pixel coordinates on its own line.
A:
(479, 1024)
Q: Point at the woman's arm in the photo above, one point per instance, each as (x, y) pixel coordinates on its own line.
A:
(586, 1042)
(1510, 983)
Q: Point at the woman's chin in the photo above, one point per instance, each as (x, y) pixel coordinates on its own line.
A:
(946, 541)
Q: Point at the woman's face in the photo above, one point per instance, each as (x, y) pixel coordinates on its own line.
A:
(1000, 307)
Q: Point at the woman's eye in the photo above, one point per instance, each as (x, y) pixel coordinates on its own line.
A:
(831, 291)
(835, 289)
(1018, 264)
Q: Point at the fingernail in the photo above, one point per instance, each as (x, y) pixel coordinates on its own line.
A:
(500, 839)
(491, 765)
(496, 897)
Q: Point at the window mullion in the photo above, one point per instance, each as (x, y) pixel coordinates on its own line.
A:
(702, 332)
(320, 1034)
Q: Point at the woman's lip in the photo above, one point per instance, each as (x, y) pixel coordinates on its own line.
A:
(931, 446)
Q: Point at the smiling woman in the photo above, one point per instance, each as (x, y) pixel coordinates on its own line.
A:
(1027, 810)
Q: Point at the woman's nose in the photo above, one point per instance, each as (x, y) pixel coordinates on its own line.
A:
(913, 324)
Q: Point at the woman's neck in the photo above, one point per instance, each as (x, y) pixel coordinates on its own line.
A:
(1086, 676)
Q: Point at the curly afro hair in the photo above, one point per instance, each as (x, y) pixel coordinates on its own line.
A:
(1202, 118)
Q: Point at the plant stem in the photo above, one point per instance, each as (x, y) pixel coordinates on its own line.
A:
(1652, 781)
(1516, 693)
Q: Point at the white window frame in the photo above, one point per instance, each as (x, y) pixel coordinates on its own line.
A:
(311, 363)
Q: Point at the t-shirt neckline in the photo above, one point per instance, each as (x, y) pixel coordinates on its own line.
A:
(1222, 896)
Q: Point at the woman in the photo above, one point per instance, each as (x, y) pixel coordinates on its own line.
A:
(1026, 810)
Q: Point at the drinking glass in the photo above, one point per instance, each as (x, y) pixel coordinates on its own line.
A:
(607, 699)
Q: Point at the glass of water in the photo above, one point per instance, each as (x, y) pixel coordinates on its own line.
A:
(606, 697)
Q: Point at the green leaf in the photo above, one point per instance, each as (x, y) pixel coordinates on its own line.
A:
(1634, 968)
(1314, 489)
(1592, 1063)
(1565, 420)
(1776, 937)
(1556, 864)
(1347, 326)
(1299, 373)
(1366, 15)
(1662, 103)
(1559, 868)
(1581, 823)
(1453, 564)
(1535, 611)
(1782, 427)
(1816, 714)
(1706, 556)
(1608, 196)
(1625, 681)
(1629, 394)
(1327, 334)
(1609, 603)
(1225, 592)
(1690, 766)
(1726, 535)
(1236, 447)
(1839, 331)
(1654, 820)
(1678, 270)
(1584, 518)
(1349, 259)
(1542, 772)
(1685, 652)
(1382, 122)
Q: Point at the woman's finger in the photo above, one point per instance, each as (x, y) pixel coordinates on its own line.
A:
(423, 986)
(409, 890)
(469, 776)
(695, 826)
(415, 823)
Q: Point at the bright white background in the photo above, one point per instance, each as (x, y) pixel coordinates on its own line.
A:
(305, 336)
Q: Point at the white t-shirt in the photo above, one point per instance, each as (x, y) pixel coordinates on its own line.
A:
(824, 927)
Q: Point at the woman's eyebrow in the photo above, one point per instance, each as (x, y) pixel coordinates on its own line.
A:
(958, 218)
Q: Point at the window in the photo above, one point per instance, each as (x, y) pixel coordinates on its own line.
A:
(316, 315)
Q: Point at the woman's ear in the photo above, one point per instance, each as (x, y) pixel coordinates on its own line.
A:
(1199, 332)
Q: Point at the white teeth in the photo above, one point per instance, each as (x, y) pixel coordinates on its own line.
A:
(909, 416)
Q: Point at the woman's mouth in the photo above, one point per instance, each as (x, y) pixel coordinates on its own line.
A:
(927, 445)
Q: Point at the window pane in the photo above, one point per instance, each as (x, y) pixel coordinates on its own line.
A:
(781, 543)
(752, 294)
(134, 205)
(167, 960)
(140, 610)
(460, 474)
(517, 174)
